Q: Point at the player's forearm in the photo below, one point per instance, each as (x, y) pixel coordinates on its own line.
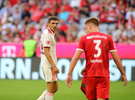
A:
(72, 65)
(118, 62)
(49, 58)
(119, 65)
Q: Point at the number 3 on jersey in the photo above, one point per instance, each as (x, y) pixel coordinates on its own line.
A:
(97, 48)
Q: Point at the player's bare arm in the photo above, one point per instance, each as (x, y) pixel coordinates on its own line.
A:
(49, 58)
(119, 65)
(72, 65)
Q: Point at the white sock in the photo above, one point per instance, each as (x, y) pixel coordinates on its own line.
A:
(42, 97)
(49, 96)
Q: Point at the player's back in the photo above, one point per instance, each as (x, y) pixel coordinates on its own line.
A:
(96, 48)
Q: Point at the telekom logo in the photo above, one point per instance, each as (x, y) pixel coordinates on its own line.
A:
(8, 51)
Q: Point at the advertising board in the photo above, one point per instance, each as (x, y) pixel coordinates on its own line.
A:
(30, 68)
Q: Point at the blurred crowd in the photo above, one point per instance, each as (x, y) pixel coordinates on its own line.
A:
(21, 19)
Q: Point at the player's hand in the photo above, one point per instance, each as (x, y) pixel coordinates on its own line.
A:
(83, 70)
(124, 78)
(56, 70)
(68, 80)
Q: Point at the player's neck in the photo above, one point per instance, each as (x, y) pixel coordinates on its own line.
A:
(52, 30)
(94, 30)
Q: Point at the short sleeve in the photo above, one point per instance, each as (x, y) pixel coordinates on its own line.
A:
(112, 47)
(46, 40)
(80, 45)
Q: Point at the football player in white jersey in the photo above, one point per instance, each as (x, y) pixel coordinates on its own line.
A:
(49, 59)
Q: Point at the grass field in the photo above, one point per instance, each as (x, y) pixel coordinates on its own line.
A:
(32, 89)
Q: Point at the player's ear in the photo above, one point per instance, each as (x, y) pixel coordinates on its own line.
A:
(90, 26)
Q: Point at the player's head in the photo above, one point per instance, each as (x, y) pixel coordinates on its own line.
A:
(53, 23)
(92, 24)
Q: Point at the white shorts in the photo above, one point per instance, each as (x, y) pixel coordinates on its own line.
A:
(49, 74)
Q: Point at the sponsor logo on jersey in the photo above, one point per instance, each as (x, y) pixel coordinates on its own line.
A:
(48, 42)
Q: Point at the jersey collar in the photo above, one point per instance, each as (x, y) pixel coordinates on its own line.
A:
(50, 31)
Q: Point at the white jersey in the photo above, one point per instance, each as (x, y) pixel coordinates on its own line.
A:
(48, 41)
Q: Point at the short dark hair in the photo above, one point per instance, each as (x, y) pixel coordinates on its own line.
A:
(52, 18)
(93, 20)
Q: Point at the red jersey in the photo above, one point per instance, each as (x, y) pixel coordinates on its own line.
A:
(102, 17)
(67, 8)
(32, 31)
(13, 2)
(96, 46)
(110, 18)
(23, 35)
(63, 28)
(37, 15)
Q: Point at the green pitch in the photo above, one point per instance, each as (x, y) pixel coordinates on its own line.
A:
(32, 89)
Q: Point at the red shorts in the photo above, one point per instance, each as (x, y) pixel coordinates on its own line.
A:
(84, 79)
(97, 87)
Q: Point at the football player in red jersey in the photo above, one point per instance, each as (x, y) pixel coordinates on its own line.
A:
(96, 46)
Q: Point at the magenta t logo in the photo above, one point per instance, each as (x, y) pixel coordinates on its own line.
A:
(8, 51)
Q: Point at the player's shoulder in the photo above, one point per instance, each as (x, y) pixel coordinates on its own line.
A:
(108, 36)
(46, 32)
